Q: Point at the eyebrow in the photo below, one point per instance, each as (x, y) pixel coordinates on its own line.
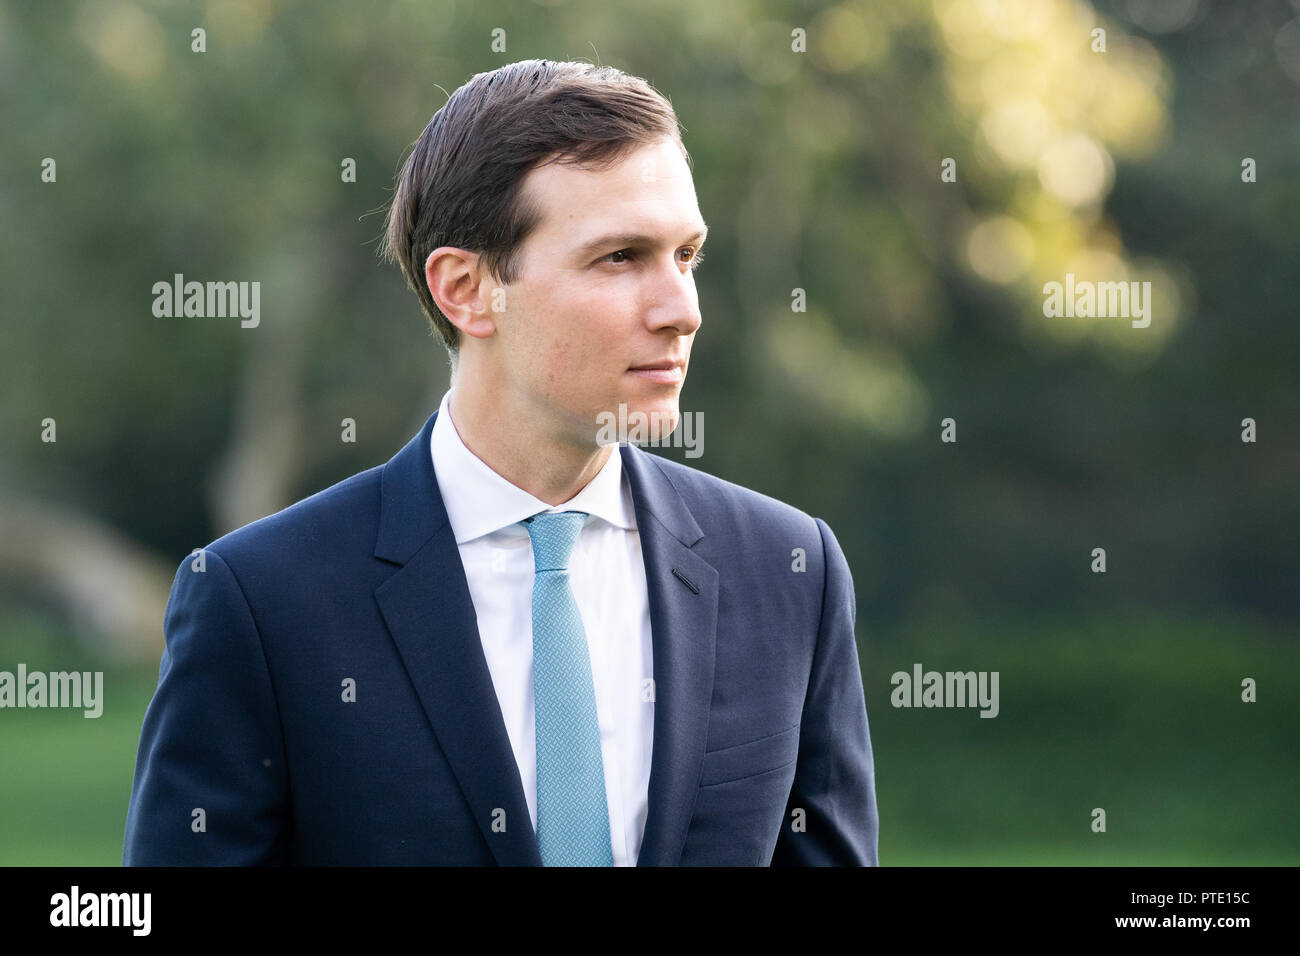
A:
(621, 239)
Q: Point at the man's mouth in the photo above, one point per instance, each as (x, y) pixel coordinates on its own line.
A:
(667, 372)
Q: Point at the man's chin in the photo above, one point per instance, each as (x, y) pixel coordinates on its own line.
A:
(638, 421)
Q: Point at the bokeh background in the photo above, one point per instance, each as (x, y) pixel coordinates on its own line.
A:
(816, 170)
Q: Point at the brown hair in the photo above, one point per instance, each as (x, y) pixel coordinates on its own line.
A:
(461, 184)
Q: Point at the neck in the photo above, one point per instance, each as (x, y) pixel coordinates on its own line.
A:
(549, 465)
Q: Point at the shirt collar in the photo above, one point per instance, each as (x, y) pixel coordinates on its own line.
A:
(479, 501)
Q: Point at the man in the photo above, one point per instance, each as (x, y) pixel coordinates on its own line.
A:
(516, 643)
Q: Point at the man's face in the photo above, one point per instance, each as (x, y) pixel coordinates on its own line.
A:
(605, 287)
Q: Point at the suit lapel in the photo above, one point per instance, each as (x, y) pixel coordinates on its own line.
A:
(683, 624)
(430, 614)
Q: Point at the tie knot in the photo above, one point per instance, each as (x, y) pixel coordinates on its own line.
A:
(553, 533)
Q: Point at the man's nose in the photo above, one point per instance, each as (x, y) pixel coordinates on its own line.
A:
(675, 301)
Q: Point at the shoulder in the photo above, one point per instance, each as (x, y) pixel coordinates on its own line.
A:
(724, 507)
(757, 542)
(339, 519)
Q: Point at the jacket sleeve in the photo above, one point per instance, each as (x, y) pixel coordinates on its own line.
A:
(211, 740)
(834, 781)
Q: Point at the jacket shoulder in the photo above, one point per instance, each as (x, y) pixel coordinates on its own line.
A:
(343, 516)
(727, 504)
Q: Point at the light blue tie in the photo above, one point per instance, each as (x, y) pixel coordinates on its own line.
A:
(572, 816)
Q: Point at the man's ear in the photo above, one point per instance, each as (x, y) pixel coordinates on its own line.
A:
(461, 290)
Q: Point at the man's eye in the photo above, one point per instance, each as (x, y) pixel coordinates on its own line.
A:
(697, 256)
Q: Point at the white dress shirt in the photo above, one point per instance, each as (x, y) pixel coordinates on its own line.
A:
(607, 575)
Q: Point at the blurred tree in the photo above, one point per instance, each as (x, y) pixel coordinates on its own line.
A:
(820, 171)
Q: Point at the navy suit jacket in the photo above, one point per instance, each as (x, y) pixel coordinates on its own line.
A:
(761, 752)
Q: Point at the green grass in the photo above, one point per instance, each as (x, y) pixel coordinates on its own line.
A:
(65, 779)
(1142, 717)
(1139, 716)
